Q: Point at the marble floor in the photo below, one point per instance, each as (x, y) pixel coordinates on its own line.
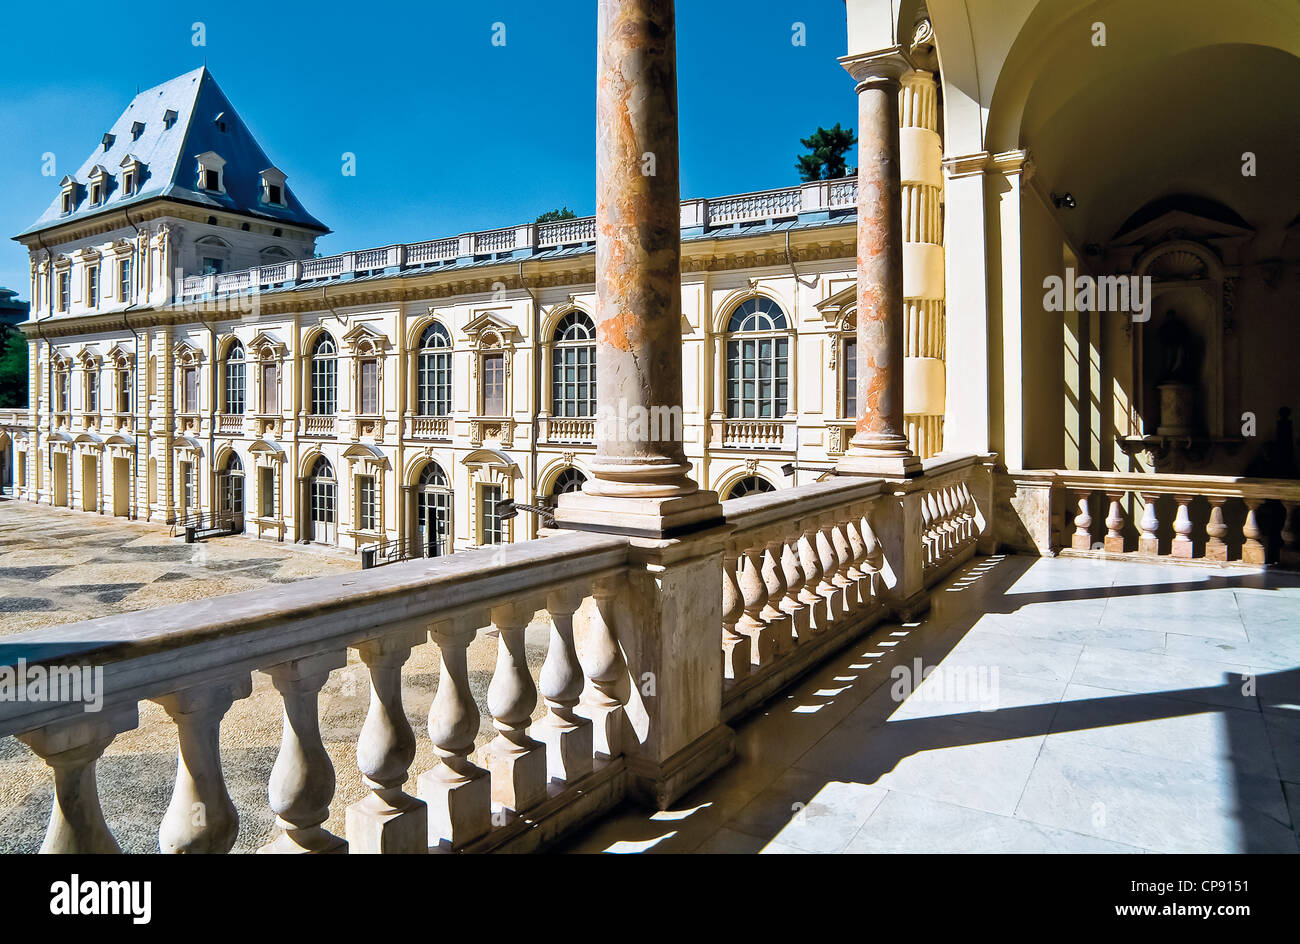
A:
(1063, 705)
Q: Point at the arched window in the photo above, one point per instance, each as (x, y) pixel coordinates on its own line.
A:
(570, 480)
(849, 368)
(750, 485)
(758, 361)
(234, 379)
(214, 254)
(324, 376)
(322, 494)
(433, 511)
(573, 368)
(433, 372)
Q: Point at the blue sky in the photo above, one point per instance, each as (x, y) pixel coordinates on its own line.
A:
(451, 133)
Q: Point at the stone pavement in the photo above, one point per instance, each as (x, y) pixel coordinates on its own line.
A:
(1077, 706)
(59, 566)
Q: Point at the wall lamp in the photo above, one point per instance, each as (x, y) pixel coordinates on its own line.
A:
(1063, 201)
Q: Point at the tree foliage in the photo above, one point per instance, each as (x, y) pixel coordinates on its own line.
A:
(550, 216)
(826, 150)
(13, 368)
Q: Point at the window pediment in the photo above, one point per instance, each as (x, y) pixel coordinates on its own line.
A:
(266, 345)
(365, 339)
(187, 354)
(490, 329)
(88, 358)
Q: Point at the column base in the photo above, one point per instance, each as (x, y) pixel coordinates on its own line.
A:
(672, 516)
(663, 783)
(376, 828)
(905, 466)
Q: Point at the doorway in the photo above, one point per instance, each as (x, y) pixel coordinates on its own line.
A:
(121, 487)
(433, 512)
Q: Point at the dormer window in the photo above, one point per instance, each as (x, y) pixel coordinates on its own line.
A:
(107, 140)
(273, 187)
(211, 166)
(137, 129)
(69, 197)
(98, 185)
(169, 118)
(132, 174)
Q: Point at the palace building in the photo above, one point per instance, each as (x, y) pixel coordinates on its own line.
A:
(193, 361)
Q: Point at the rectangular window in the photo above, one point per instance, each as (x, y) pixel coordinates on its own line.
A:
(95, 192)
(366, 515)
(493, 528)
(65, 290)
(187, 485)
(434, 382)
(190, 390)
(92, 391)
(124, 391)
(61, 390)
(124, 280)
(67, 203)
(271, 388)
(92, 286)
(850, 374)
(211, 180)
(128, 184)
(272, 193)
(494, 385)
(370, 388)
(212, 266)
(266, 492)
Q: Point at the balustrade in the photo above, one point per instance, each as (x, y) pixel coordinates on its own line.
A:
(1185, 517)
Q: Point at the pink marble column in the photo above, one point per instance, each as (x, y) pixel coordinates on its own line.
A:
(640, 475)
(879, 446)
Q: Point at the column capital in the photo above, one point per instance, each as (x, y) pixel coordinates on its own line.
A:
(889, 65)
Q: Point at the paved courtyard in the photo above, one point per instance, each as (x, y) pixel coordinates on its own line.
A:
(60, 566)
(1077, 706)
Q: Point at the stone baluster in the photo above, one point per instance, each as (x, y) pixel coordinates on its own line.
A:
(1216, 549)
(762, 644)
(1082, 540)
(929, 553)
(1113, 542)
(201, 818)
(779, 621)
(387, 820)
(812, 568)
(1182, 545)
(948, 522)
(302, 779)
(874, 557)
(516, 760)
(457, 792)
(566, 734)
(735, 645)
(844, 558)
(830, 588)
(793, 603)
(1252, 550)
(1148, 542)
(857, 564)
(71, 750)
(602, 659)
(1290, 552)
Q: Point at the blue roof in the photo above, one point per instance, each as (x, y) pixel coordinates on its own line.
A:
(170, 157)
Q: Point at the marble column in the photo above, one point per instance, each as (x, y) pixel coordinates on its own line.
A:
(879, 445)
(640, 482)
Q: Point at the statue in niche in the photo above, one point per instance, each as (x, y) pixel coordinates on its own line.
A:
(1180, 369)
(1178, 348)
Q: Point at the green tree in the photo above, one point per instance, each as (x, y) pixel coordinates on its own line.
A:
(550, 216)
(827, 147)
(13, 368)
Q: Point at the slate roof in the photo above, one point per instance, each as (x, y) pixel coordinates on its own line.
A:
(170, 157)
